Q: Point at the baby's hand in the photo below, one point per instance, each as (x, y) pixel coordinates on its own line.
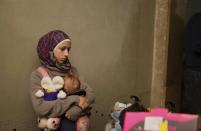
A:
(73, 113)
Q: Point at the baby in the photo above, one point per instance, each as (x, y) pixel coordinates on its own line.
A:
(71, 84)
(72, 87)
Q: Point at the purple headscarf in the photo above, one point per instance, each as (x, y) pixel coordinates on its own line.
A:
(45, 47)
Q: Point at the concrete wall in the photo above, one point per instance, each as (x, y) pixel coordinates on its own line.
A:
(112, 49)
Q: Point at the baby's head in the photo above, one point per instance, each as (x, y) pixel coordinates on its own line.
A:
(71, 83)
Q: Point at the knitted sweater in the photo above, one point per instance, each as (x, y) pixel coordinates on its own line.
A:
(57, 107)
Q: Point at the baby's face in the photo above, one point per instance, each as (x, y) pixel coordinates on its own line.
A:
(70, 85)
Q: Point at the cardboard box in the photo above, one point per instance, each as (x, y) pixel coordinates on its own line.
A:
(153, 121)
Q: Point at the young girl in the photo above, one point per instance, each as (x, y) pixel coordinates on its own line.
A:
(53, 51)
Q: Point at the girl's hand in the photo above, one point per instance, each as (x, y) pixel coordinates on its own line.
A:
(83, 102)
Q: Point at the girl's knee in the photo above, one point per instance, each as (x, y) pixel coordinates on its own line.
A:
(83, 123)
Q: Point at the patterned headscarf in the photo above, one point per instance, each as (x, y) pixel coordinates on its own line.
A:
(45, 47)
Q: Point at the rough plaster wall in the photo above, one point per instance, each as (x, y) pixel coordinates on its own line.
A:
(112, 49)
(175, 52)
(145, 49)
(133, 65)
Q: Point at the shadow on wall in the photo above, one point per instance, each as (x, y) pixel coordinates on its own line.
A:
(175, 56)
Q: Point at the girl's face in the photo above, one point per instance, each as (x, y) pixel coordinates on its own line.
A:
(61, 51)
